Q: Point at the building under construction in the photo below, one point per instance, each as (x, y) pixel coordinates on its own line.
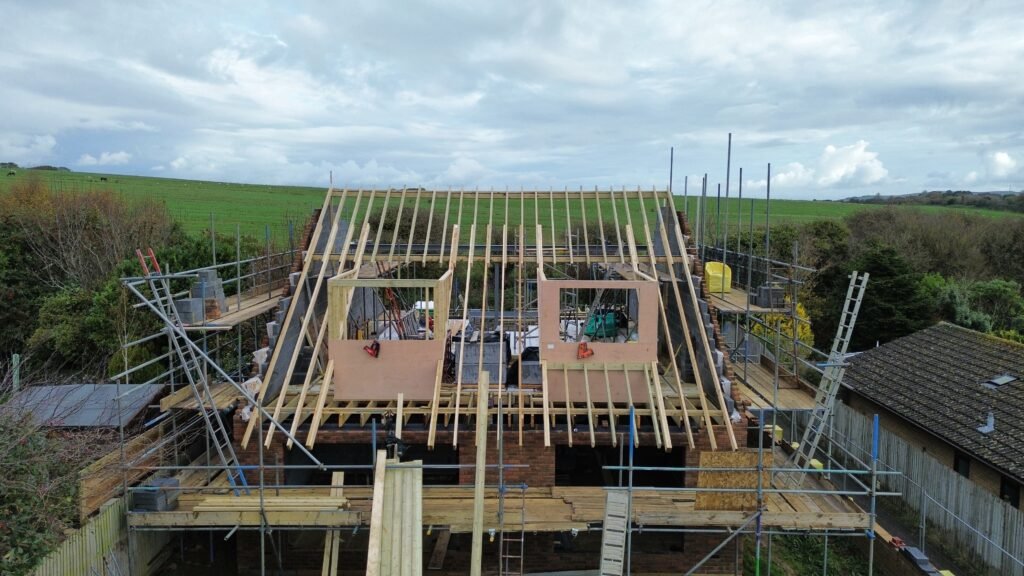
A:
(488, 383)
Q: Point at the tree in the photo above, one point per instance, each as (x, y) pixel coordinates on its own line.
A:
(20, 293)
(824, 243)
(78, 238)
(39, 484)
(990, 306)
(1001, 300)
(896, 301)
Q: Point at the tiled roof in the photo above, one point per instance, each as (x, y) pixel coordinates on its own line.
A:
(935, 379)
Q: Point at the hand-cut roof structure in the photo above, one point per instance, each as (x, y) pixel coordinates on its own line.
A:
(557, 258)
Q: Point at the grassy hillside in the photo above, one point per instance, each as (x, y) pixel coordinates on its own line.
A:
(808, 210)
(252, 207)
(256, 209)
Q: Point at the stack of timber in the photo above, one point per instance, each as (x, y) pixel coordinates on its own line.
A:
(396, 520)
(332, 540)
(103, 479)
(253, 503)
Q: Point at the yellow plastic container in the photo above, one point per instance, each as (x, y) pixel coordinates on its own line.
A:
(777, 435)
(719, 277)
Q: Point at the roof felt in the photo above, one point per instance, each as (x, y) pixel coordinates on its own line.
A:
(84, 405)
(935, 379)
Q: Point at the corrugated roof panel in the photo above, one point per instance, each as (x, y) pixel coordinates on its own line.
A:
(84, 405)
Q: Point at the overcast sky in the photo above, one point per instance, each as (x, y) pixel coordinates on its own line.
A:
(887, 97)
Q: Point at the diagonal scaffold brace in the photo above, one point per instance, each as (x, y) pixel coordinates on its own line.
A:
(178, 331)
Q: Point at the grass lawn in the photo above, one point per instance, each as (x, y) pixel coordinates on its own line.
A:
(257, 209)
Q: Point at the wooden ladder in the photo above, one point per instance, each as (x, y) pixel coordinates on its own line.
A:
(613, 534)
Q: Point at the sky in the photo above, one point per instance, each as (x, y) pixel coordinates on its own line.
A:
(843, 99)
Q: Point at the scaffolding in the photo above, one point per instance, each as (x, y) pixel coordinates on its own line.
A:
(488, 263)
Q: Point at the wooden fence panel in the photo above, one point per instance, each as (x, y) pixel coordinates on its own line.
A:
(953, 504)
(100, 548)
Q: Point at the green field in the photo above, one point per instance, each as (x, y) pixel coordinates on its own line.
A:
(808, 210)
(255, 209)
(261, 209)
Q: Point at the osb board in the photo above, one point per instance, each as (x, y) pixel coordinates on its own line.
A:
(555, 351)
(745, 477)
(406, 366)
(598, 388)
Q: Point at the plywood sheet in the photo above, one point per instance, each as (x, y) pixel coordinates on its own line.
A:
(745, 476)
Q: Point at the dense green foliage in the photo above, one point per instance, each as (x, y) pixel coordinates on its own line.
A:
(38, 488)
(67, 312)
(20, 292)
(924, 268)
(894, 305)
(1013, 202)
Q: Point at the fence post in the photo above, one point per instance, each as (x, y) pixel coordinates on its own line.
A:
(874, 484)
(16, 369)
(213, 240)
(924, 517)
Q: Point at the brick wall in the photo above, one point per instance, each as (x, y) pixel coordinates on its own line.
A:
(250, 456)
(652, 553)
(698, 269)
(541, 459)
(307, 237)
(981, 474)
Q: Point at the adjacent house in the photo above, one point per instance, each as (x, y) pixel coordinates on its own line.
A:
(954, 393)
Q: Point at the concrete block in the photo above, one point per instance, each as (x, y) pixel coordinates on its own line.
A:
(191, 310)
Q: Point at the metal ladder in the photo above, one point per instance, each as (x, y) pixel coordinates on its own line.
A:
(194, 371)
(511, 543)
(832, 378)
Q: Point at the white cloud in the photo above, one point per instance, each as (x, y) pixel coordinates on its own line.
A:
(971, 177)
(793, 174)
(372, 173)
(24, 149)
(1002, 164)
(105, 159)
(852, 164)
(560, 93)
(463, 171)
(454, 102)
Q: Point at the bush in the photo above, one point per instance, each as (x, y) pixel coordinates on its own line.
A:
(39, 486)
(80, 237)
